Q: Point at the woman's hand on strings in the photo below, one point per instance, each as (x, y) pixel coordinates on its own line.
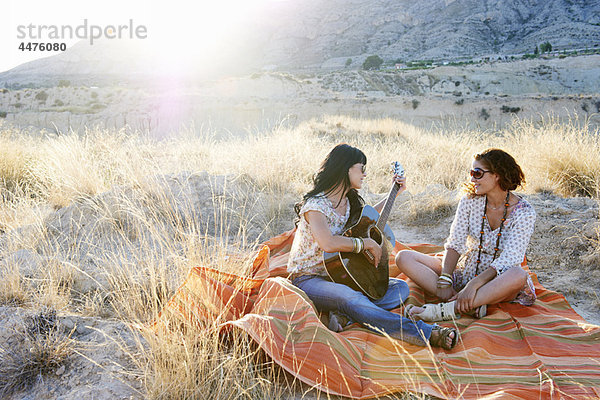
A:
(373, 249)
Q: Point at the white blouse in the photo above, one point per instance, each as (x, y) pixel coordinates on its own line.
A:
(465, 233)
(306, 257)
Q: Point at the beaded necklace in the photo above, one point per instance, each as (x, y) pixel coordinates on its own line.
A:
(497, 248)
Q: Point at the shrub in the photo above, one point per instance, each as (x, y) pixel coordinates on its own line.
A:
(484, 114)
(36, 349)
(64, 83)
(507, 109)
(415, 104)
(41, 96)
(348, 62)
(372, 62)
(2, 114)
(459, 102)
(545, 47)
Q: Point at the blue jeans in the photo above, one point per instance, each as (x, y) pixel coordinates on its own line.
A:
(374, 314)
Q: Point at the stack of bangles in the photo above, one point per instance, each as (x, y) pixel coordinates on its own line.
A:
(359, 244)
(444, 280)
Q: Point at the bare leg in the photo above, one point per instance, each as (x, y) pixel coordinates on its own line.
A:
(424, 270)
(503, 287)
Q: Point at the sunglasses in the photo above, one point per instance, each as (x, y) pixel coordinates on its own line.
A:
(363, 168)
(478, 173)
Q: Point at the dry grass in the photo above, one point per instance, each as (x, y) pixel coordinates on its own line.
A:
(122, 253)
(36, 348)
(559, 157)
(194, 362)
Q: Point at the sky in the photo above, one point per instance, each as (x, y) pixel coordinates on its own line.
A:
(171, 27)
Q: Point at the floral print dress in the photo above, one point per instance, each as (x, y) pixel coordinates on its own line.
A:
(306, 257)
(464, 239)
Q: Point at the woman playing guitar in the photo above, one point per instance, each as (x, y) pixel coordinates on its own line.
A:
(323, 214)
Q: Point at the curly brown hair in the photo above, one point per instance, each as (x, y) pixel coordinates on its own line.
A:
(502, 164)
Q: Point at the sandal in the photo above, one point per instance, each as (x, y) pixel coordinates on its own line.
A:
(437, 312)
(442, 335)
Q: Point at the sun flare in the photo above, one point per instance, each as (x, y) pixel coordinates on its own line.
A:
(180, 40)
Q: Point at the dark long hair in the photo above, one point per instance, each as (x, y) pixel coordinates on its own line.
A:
(333, 175)
(510, 174)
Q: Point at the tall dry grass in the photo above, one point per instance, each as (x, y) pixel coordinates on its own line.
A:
(141, 244)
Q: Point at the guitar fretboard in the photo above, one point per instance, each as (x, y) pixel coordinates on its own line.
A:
(385, 212)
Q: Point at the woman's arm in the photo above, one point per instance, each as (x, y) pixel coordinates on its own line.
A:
(401, 180)
(466, 297)
(444, 289)
(449, 261)
(333, 243)
(455, 244)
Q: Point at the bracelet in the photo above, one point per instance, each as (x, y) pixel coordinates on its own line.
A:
(446, 275)
(358, 245)
(444, 280)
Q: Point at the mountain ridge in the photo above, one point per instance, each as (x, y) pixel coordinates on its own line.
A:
(317, 34)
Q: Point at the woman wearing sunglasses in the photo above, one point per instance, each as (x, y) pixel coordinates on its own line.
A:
(323, 214)
(488, 238)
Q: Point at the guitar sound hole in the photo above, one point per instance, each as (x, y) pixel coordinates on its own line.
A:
(374, 234)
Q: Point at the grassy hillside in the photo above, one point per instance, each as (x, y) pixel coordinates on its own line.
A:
(105, 225)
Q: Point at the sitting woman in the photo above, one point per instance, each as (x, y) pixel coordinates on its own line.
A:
(323, 215)
(485, 249)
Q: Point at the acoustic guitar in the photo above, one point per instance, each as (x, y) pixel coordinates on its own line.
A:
(358, 270)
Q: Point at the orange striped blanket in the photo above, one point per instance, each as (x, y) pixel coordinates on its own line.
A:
(545, 351)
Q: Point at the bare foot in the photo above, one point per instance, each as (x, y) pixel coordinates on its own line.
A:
(443, 337)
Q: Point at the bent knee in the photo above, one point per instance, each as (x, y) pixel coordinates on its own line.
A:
(404, 257)
(399, 290)
(516, 277)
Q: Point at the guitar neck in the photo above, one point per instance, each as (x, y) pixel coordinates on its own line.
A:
(387, 208)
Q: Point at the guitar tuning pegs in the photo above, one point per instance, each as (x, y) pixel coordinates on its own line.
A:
(397, 168)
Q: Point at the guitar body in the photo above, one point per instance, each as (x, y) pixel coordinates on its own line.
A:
(356, 270)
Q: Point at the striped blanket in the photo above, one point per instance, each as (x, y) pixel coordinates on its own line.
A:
(545, 351)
